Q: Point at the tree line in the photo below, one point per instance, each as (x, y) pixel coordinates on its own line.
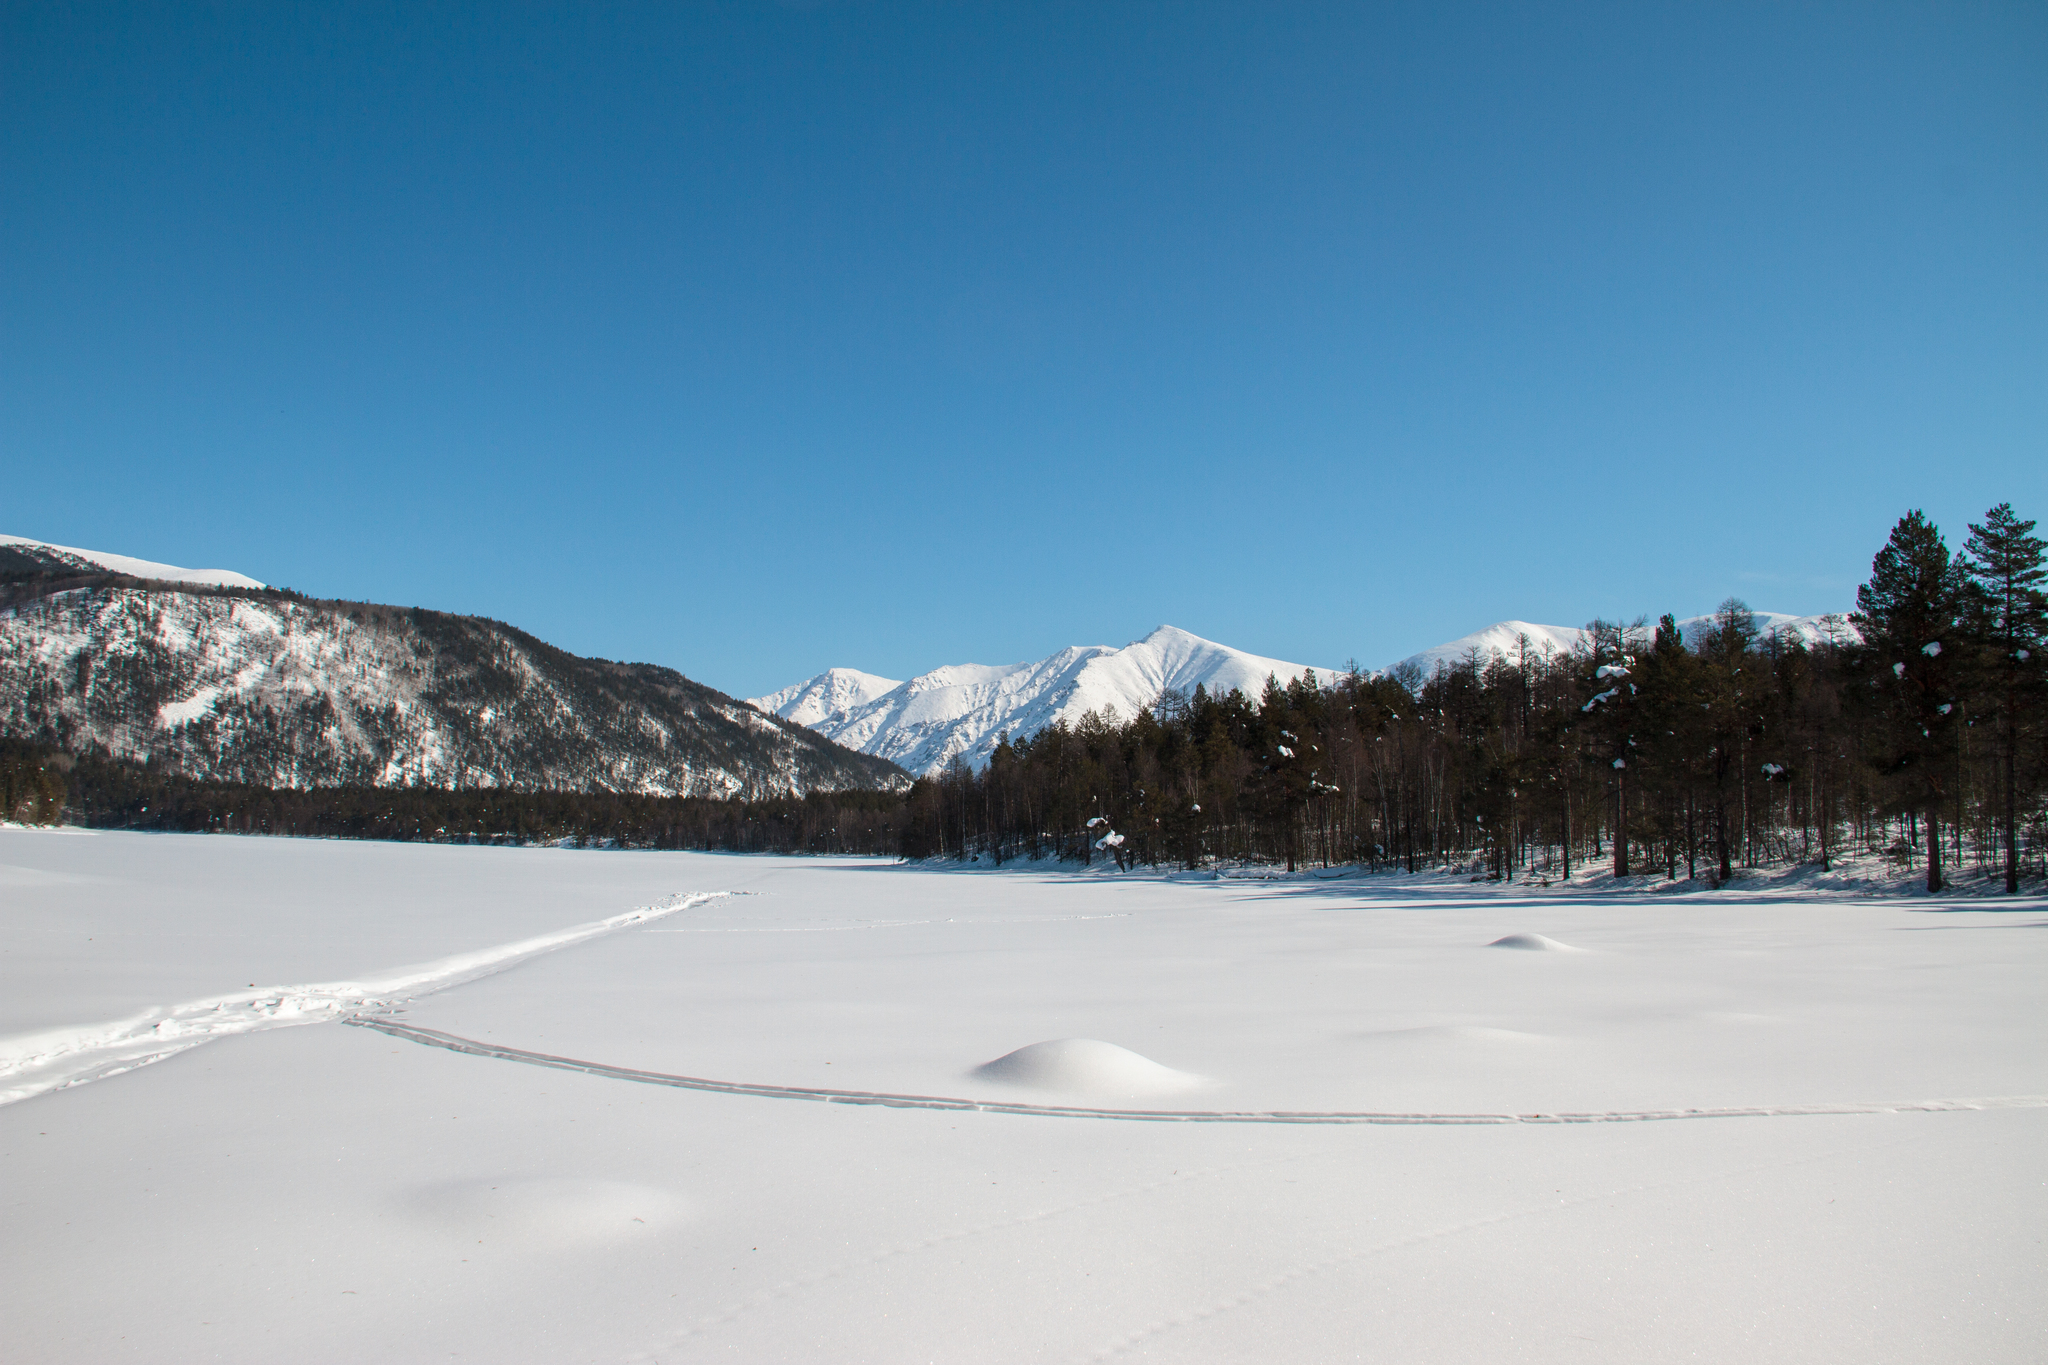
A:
(106, 793)
(1910, 728)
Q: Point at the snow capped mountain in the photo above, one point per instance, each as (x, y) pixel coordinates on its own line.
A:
(833, 695)
(1504, 639)
(19, 554)
(964, 709)
(252, 685)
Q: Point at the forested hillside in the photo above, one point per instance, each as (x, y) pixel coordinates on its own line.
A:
(264, 687)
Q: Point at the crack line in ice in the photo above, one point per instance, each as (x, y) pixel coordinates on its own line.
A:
(436, 1038)
(34, 1063)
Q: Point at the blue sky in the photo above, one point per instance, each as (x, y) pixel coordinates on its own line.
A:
(753, 339)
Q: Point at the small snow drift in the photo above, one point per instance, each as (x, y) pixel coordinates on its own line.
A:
(1534, 943)
(546, 1211)
(1088, 1067)
(1456, 1034)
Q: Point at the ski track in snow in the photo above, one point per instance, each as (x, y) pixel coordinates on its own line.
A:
(886, 924)
(34, 1063)
(436, 1038)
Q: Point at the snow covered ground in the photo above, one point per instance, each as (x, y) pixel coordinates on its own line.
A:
(616, 1116)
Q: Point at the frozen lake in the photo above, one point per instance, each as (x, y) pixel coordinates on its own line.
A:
(203, 1163)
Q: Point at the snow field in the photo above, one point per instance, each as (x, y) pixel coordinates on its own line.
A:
(339, 1193)
(53, 1059)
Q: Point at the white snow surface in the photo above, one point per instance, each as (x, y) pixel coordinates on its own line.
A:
(613, 1150)
(964, 709)
(140, 568)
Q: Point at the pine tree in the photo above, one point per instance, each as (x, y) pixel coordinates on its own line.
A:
(2011, 610)
(1908, 613)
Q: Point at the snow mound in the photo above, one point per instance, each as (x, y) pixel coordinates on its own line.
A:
(1534, 943)
(544, 1212)
(1085, 1066)
(1458, 1033)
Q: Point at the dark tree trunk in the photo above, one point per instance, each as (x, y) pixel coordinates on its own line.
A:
(1621, 822)
(1933, 846)
(1721, 836)
(2012, 841)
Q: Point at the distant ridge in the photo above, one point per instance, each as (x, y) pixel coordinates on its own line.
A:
(1503, 639)
(964, 710)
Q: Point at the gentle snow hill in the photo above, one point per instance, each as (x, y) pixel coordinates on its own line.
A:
(19, 554)
(964, 709)
(1504, 639)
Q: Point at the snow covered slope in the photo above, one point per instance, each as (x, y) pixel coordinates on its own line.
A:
(964, 709)
(270, 688)
(832, 695)
(1505, 638)
(20, 553)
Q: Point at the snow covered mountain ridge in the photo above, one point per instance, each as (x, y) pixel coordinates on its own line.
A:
(1504, 639)
(963, 710)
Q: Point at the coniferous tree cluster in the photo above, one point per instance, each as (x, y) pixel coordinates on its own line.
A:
(1912, 728)
(33, 783)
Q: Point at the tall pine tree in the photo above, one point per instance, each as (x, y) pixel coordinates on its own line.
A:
(1908, 615)
(2011, 613)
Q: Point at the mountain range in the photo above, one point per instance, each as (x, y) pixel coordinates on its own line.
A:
(216, 675)
(213, 675)
(964, 710)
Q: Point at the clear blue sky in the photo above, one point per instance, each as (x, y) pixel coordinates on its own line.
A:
(753, 339)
